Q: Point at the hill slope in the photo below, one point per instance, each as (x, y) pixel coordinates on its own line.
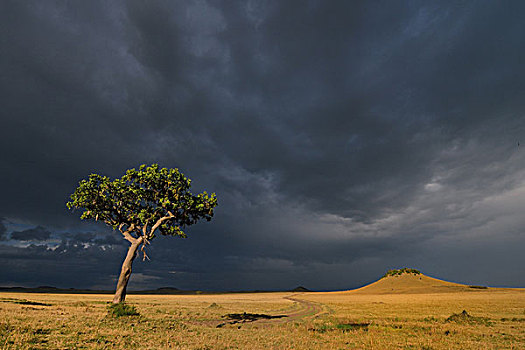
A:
(410, 284)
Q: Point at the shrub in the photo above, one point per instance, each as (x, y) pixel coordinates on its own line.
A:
(122, 309)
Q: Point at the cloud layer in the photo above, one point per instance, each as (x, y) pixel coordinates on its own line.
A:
(342, 139)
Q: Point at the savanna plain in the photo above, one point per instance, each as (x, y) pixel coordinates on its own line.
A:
(390, 314)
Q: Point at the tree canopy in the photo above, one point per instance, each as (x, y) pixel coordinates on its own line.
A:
(143, 201)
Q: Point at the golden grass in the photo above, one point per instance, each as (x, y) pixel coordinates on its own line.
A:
(338, 320)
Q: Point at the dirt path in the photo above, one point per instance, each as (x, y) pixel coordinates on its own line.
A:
(306, 309)
(301, 309)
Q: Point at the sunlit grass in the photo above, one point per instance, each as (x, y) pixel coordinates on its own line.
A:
(342, 321)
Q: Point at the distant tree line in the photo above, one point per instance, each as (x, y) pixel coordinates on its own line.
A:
(399, 272)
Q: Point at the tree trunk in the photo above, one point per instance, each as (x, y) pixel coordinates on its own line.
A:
(125, 273)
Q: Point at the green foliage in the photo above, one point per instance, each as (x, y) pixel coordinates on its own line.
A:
(401, 271)
(122, 309)
(142, 198)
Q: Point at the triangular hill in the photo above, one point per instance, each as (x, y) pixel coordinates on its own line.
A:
(409, 281)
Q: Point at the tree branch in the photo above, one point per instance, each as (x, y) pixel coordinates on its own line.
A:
(158, 223)
(142, 249)
(145, 229)
(127, 234)
(129, 237)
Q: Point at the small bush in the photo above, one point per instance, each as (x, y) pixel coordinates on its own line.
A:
(122, 309)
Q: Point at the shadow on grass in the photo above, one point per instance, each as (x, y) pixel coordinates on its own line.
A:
(23, 302)
(247, 317)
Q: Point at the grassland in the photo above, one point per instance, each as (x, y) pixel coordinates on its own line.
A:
(373, 319)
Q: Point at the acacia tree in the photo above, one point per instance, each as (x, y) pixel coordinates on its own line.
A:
(141, 204)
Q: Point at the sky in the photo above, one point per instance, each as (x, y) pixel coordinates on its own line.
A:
(342, 139)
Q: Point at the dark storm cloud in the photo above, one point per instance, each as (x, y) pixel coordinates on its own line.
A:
(65, 266)
(3, 230)
(339, 136)
(38, 233)
(382, 102)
